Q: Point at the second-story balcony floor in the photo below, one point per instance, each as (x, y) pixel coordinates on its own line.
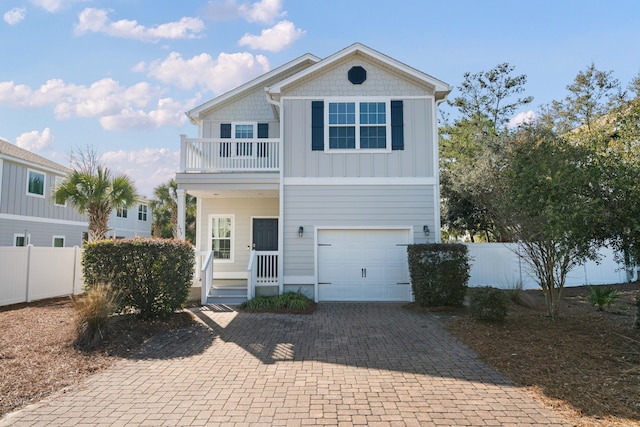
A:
(216, 155)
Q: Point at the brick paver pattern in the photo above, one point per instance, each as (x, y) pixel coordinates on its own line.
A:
(344, 365)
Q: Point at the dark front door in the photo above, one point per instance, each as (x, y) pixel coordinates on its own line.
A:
(265, 234)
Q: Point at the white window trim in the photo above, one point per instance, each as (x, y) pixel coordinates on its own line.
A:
(44, 184)
(357, 101)
(27, 237)
(233, 235)
(122, 213)
(56, 181)
(53, 240)
(146, 212)
(233, 131)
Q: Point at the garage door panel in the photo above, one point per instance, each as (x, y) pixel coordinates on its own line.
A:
(363, 265)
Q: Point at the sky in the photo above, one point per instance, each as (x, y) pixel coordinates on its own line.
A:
(117, 77)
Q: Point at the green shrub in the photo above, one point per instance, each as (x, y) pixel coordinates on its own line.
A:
(439, 273)
(94, 310)
(602, 295)
(289, 301)
(488, 303)
(151, 276)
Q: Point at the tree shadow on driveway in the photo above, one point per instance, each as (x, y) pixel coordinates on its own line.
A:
(383, 336)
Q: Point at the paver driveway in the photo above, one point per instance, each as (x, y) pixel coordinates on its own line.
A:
(346, 364)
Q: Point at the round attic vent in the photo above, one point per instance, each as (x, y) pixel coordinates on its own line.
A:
(357, 75)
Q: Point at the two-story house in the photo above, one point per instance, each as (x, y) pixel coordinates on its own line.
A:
(315, 177)
(28, 212)
(134, 221)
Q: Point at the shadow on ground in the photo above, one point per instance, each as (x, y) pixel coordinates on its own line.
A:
(379, 336)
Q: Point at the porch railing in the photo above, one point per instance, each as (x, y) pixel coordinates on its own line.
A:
(206, 275)
(263, 270)
(228, 155)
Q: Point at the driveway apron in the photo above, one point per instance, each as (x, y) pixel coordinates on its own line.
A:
(345, 364)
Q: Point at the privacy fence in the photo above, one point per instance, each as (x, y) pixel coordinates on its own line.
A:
(31, 273)
(501, 265)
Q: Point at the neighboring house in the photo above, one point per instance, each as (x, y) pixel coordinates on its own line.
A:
(134, 221)
(315, 177)
(28, 212)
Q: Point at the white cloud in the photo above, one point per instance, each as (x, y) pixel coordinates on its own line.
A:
(229, 70)
(274, 39)
(265, 11)
(522, 118)
(148, 168)
(97, 21)
(118, 107)
(49, 5)
(35, 141)
(14, 16)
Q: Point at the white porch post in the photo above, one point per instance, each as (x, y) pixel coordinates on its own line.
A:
(182, 202)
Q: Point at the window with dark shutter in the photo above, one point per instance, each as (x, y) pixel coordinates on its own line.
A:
(397, 126)
(317, 125)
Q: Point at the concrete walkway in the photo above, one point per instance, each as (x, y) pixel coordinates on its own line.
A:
(346, 364)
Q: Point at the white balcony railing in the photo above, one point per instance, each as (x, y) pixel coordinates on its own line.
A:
(228, 155)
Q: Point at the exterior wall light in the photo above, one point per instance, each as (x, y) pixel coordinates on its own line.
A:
(300, 231)
(426, 230)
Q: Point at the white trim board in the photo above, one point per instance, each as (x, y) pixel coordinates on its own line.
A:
(375, 181)
(41, 219)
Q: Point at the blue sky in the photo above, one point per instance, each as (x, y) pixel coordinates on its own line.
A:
(118, 75)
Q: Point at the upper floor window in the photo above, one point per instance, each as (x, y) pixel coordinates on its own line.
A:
(374, 124)
(244, 131)
(121, 212)
(142, 213)
(58, 180)
(358, 125)
(35, 183)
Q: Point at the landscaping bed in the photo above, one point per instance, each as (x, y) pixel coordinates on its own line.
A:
(585, 365)
(37, 356)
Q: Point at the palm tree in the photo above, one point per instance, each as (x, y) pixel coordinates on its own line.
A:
(94, 191)
(165, 212)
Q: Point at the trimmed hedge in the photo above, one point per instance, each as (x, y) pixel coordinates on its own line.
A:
(152, 276)
(439, 273)
(488, 303)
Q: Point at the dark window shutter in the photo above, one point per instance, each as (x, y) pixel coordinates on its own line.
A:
(397, 126)
(263, 130)
(225, 130)
(317, 125)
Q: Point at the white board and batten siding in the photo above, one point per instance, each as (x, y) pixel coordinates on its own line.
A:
(416, 160)
(363, 212)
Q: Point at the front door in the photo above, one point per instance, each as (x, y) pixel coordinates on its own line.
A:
(265, 234)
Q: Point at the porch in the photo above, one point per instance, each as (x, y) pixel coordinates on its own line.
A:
(262, 278)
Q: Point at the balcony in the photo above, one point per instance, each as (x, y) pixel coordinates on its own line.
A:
(207, 155)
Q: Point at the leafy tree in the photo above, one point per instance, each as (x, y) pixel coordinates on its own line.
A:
(93, 190)
(592, 95)
(487, 101)
(165, 211)
(546, 200)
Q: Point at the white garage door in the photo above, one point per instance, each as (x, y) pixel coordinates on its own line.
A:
(363, 265)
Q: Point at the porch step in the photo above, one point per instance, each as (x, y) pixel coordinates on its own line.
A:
(227, 295)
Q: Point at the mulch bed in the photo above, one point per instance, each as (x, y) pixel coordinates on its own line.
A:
(37, 356)
(585, 365)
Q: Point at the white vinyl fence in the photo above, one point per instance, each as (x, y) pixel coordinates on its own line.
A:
(498, 265)
(31, 273)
